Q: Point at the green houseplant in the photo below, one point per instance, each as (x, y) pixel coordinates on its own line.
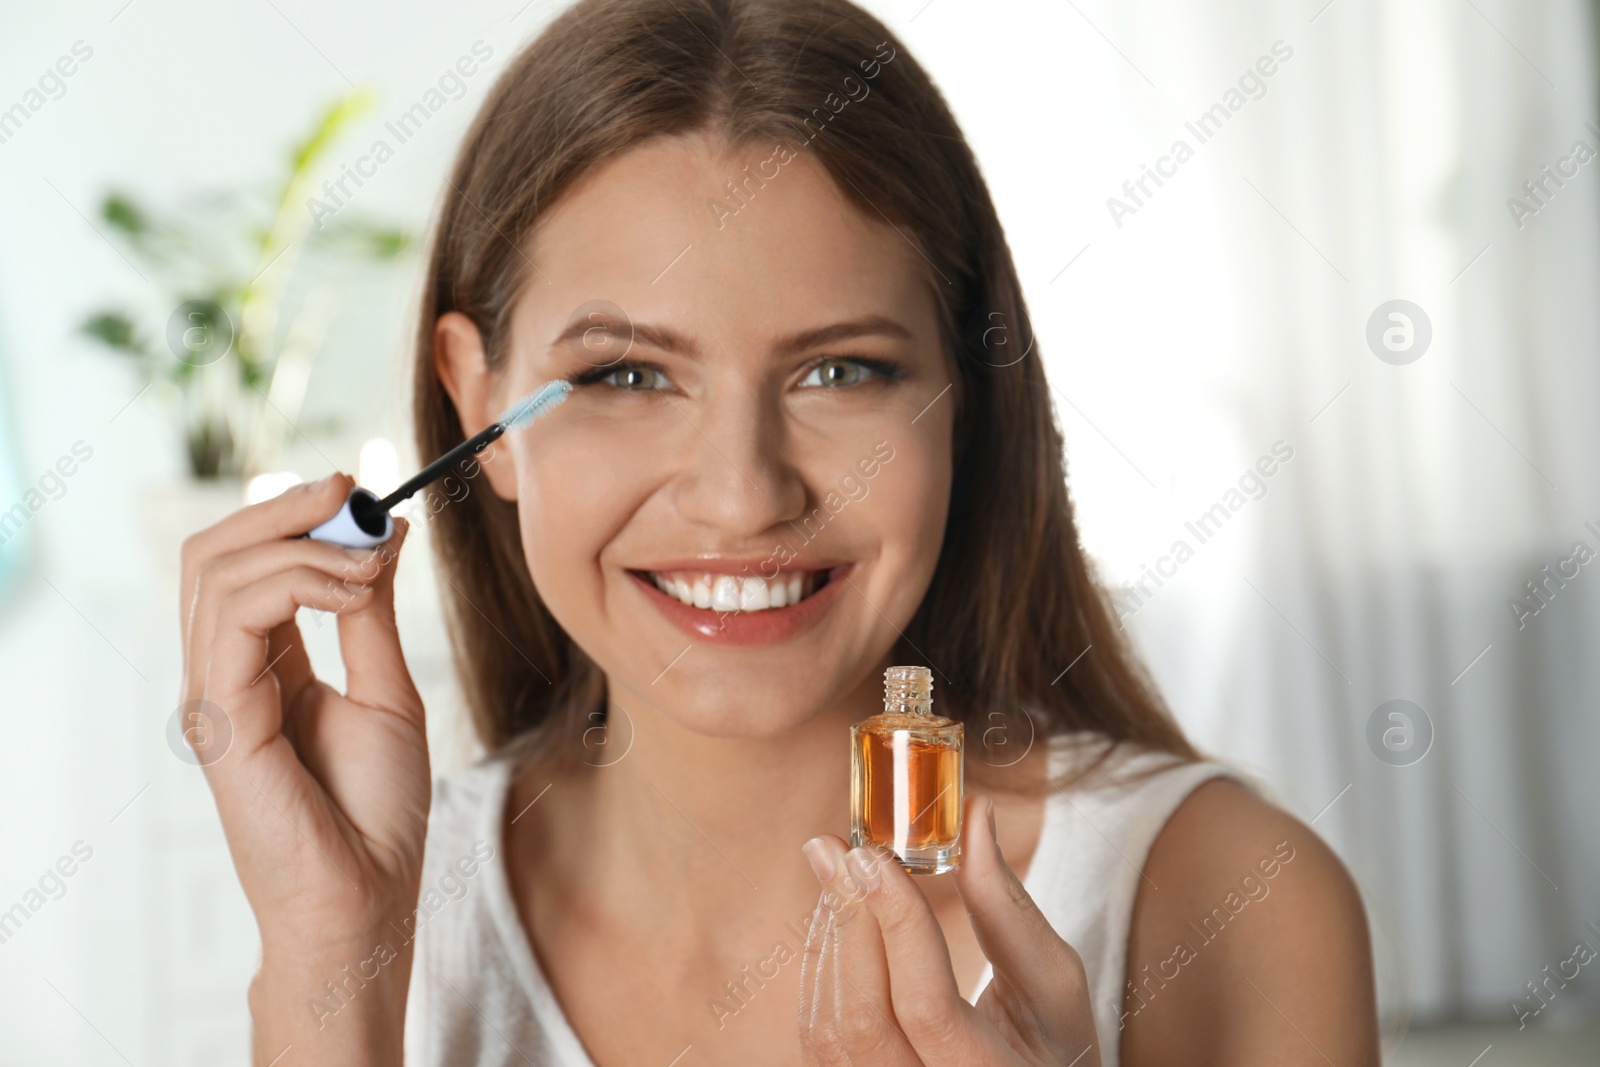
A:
(219, 337)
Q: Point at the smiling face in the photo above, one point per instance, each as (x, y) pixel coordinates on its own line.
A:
(760, 413)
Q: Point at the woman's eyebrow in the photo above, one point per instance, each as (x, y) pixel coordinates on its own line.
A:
(871, 325)
(583, 331)
(668, 340)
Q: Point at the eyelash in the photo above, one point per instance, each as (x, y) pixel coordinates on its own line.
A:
(878, 367)
(598, 375)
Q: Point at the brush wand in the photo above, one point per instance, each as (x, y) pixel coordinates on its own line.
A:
(365, 522)
(443, 465)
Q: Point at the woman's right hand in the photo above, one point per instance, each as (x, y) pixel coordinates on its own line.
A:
(323, 796)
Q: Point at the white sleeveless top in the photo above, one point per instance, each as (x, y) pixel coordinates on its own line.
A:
(478, 996)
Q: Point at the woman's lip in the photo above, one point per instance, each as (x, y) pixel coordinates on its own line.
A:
(758, 567)
(740, 629)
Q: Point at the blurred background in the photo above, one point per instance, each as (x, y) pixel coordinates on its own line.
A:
(1315, 282)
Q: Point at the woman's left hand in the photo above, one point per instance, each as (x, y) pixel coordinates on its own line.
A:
(877, 987)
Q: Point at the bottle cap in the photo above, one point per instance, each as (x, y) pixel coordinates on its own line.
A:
(908, 690)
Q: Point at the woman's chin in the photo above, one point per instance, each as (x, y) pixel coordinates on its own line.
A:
(741, 712)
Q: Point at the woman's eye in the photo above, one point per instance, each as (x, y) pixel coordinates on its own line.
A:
(837, 372)
(636, 379)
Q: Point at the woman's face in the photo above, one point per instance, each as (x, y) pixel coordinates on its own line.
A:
(760, 411)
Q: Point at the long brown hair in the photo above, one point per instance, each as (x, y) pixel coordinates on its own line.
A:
(1013, 602)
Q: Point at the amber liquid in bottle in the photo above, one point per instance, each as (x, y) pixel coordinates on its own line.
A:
(906, 777)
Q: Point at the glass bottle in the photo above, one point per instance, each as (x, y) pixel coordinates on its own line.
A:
(906, 776)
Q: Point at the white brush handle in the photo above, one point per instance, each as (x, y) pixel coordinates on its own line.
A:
(344, 529)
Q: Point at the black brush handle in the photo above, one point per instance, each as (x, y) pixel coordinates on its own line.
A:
(443, 465)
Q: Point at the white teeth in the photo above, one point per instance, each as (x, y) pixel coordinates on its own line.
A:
(725, 593)
(753, 596)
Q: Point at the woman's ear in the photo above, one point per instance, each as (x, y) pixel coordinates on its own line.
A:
(463, 368)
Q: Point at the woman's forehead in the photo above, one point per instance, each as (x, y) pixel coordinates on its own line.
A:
(651, 232)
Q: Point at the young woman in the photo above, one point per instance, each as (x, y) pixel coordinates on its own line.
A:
(752, 236)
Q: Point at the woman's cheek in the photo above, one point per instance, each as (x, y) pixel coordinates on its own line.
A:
(575, 491)
(905, 478)
(914, 475)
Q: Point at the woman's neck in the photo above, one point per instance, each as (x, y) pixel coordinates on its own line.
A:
(689, 832)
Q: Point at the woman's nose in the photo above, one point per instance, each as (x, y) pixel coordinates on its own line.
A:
(737, 475)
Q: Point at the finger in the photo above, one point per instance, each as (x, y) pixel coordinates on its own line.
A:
(853, 1017)
(812, 959)
(259, 755)
(237, 675)
(288, 661)
(256, 525)
(940, 1025)
(216, 574)
(292, 512)
(375, 666)
(288, 514)
(1037, 965)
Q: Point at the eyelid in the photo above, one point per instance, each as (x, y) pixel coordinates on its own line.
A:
(887, 369)
(598, 375)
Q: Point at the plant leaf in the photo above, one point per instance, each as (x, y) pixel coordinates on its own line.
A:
(114, 330)
(367, 238)
(334, 119)
(125, 215)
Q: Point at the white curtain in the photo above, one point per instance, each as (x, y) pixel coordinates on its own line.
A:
(1229, 311)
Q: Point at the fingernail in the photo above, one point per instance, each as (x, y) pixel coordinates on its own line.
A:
(864, 865)
(816, 851)
(994, 832)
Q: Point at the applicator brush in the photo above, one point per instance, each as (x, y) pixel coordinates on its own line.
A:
(364, 521)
